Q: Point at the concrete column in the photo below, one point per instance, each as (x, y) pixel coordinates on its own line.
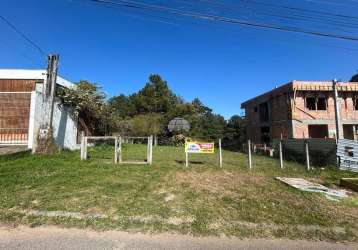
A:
(31, 131)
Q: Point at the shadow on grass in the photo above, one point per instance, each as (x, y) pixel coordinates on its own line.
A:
(15, 155)
(192, 162)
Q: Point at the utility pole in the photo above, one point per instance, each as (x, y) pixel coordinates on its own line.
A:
(337, 108)
(50, 89)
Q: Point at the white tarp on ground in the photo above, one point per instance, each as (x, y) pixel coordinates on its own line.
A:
(308, 186)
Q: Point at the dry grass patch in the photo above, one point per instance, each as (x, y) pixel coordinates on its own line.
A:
(220, 183)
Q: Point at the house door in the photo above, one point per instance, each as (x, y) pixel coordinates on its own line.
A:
(14, 117)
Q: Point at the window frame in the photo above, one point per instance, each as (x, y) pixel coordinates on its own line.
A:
(306, 102)
(316, 99)
(325, 102)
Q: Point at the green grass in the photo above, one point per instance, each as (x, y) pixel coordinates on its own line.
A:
(167, 197)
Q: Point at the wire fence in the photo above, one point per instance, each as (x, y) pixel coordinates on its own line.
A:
(320, 152)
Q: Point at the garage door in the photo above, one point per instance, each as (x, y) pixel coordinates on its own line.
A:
(14, 117)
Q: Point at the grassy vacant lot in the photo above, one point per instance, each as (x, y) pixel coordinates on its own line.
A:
(202, 199)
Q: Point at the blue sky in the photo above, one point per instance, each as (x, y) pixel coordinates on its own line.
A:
(221, 64)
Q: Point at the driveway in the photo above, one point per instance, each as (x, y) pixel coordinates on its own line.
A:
(57, 238)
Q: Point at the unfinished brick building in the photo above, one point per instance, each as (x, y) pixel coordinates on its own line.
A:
(302, 109)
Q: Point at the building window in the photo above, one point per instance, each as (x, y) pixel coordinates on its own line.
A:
(255, 109)
(355, 100)
(265, 135)
(318, 131)
(311, 103)
(264, 112)
(321, 103)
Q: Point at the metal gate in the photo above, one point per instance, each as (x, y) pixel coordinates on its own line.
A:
(14, 117)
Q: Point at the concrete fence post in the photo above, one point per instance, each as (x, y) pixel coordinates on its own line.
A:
(249, 153)
(85, 148)
(82, 145)
(281, 155)
(116, 150)
(120, 149)
(220, 155)
(307, 155)
(151, 150)
(148, 150)
(186, 159)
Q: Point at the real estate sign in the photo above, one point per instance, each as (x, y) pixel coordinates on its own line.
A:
(199, 147)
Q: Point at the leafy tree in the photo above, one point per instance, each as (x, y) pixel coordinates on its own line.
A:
(144, 125)
(199, 107)
(121, 106)
(149, 111)
(213, 126)
(88, 103)
(235, 133)
(155, 97)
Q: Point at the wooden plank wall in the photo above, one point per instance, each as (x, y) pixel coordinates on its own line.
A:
(17, 85)
(15, 110)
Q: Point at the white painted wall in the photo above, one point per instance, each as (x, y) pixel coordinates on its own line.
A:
(65, 127)
(64, 123)
(32, 120)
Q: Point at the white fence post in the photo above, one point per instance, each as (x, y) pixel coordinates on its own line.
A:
(148, 150)
(186, 159)
(116, 150)
(82, 145)
(220, 155)
(307, 155)
(86, 144)
(120, 149)
(249, 153)
(281, 156)
(151, 150)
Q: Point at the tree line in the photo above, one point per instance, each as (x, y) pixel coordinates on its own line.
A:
(148, 112)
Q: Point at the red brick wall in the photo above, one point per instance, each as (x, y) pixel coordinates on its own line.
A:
(254, 134)
(300, 112)
(279, 107)
(301, 131)
(283, 111)
(280, 128)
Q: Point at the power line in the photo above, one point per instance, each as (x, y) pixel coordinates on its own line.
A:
(329, 14)
(217, 18)
(297, 14)
(19, 52)
(19, 32)
(345, 4)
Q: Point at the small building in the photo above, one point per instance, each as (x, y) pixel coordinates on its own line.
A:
(24, 110)
(302, 109)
